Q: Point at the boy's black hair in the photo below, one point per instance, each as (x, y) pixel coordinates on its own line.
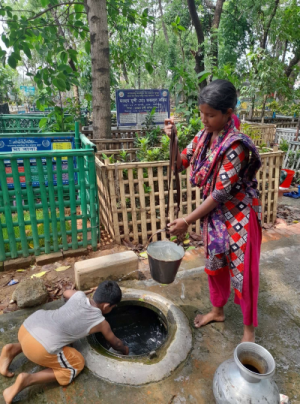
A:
(108, 292)
(219, 94)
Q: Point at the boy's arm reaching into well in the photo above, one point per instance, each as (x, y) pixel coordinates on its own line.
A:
(110, 337)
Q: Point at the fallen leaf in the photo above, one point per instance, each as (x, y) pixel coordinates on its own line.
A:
(63, 268)
(173, 238)
(141, 300)
(21, 270)
(144, 254)
(295, 221)
(186, 242)
(38, 275)
(190, 248)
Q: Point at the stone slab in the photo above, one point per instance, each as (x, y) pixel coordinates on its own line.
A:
(18, 263)
(75, 253)
(90, 273)
(48, 258)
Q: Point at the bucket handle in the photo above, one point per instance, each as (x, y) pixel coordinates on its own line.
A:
(158, 231)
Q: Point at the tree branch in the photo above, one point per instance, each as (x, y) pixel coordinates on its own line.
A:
(266, 30)
(54, 6)
(293, 62)
(196, 21)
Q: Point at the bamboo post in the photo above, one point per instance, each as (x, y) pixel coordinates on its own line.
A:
(152, 203)
(123, 203)
(142, 205)
(133, 205)
(19, 200)
(113, 199)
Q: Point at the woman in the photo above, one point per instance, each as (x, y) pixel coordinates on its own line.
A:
(224, 163)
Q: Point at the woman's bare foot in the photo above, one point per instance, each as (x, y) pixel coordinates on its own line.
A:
(249, 334)
(217, 314)
(8, 353)
(13, 390)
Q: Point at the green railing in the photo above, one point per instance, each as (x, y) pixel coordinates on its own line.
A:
(20, 123)
(61, 212)
(27, 123)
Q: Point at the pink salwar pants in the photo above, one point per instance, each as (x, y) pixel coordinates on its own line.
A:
(219, 285)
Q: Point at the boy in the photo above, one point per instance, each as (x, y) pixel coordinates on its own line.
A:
(44, 336)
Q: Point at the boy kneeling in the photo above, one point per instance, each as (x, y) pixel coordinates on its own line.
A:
(44, 336)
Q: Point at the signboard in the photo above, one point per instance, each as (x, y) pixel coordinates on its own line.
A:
(36, 144)
(28, 90)
(133, 106)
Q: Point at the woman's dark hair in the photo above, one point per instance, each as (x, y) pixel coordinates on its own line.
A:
(108, 292)
(220, 95)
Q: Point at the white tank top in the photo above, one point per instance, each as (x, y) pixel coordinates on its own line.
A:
(55, 329)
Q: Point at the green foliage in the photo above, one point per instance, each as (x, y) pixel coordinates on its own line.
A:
(284, 145)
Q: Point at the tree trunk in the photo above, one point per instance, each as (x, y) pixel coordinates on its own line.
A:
(162, 22)
(214, 31)
(252, 108)
(284, 51)
(125, 74)
(295, 60)
(199, 55)
(264, 38)
(97, 19)
(263, 109)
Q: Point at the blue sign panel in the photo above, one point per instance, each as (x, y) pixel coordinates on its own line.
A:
(8, 145)
(134, 105)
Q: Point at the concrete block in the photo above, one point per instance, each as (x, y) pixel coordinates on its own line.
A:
(18, 263)
(48, 258)
(90, 273)
(75, 253)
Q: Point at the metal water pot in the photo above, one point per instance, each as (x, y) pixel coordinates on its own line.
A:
(247, 378)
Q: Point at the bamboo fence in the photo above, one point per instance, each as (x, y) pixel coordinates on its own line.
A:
(133, 196)
(263, 133)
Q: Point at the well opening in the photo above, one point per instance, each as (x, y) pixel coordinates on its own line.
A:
(140, 325)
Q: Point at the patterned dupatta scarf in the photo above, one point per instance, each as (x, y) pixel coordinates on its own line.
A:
(205, 165)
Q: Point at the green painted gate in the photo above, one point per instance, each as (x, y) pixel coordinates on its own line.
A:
(52, 216)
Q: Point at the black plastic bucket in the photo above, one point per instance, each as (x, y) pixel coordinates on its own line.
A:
(164, 260)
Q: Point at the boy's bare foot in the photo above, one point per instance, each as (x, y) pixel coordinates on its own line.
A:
(249, 334)
(217, 314)
(8, 353)
(13, 390)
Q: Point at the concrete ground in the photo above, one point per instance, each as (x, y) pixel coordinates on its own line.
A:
(278, 331)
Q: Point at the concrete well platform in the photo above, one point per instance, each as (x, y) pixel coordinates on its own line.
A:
(191, 382)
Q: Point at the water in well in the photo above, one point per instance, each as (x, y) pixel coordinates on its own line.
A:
(140, 328)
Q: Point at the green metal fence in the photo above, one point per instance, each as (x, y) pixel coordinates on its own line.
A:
(20, 123)
(27, 123)
(57, 214)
